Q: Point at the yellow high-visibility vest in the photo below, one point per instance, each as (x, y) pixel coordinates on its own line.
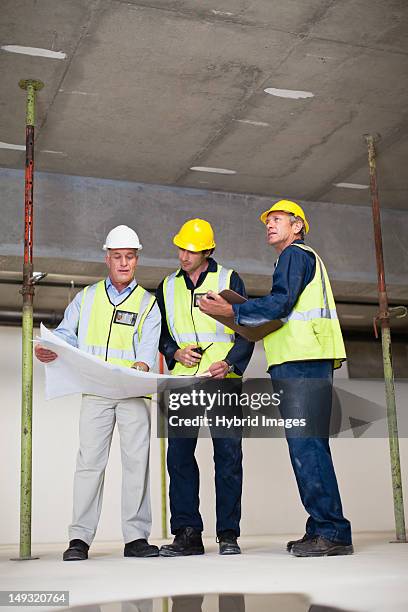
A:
(312, 329)
(188, 325)
(106, 330)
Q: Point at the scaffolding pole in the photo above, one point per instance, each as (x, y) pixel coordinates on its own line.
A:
(384, 318)
(163, 461)
(31, 87)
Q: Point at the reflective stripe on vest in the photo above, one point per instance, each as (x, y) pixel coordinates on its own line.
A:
(100, 334)
(312, 329)
(182, 337)
(314, 313)
(100, 351)
(187, 325)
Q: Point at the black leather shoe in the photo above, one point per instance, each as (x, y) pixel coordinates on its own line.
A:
(77, 551)
(321, 547)
(187, 542)
(291, 543)
(140, 548)
(228, 544)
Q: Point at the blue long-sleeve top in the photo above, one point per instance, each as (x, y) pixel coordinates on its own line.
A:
(294, 269)
(242, 349)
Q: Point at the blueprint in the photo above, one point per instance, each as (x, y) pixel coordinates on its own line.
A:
(75, 371)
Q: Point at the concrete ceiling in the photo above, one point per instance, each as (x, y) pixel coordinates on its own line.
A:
(149, 89)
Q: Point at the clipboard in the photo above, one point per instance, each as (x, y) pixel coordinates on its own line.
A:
(250, 333)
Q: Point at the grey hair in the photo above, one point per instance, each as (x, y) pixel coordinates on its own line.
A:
(293, 219)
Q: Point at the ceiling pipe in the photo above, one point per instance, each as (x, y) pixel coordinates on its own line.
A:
(50, 318)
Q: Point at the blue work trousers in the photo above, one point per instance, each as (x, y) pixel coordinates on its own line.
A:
(310, 456)
(185, 483)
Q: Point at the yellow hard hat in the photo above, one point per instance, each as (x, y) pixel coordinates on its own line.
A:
(195, 235)
(289, 207)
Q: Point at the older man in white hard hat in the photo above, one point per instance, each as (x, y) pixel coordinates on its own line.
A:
(119, 321)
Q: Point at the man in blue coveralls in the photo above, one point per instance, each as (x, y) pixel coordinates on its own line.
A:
(301, 356)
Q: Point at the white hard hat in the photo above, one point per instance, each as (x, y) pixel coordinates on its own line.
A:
(122, 237)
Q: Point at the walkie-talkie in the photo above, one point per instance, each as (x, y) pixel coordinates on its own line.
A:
(200, 350)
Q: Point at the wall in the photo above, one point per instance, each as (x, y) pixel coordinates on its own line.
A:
(270, 500)
(74, 213)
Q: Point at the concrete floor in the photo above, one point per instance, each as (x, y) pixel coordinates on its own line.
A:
(373, 579)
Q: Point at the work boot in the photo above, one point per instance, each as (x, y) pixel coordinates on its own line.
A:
(140, 548)
(291, 543)
(77, 551)
(317, 546)
(187, 542)
(228, 544)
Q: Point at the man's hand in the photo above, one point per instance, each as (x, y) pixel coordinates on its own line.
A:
(43, 354)
(140, 365)
(214, 304)
(187, 356)
(219, 369)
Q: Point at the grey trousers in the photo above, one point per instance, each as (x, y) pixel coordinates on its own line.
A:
(96, 425)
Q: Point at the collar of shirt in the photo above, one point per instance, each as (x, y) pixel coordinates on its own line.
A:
(114, 293)
(212, 267)
(298, 241)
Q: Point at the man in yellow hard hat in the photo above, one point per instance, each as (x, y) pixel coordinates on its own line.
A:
(118, 321)
(301, 356)
(194, 343)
